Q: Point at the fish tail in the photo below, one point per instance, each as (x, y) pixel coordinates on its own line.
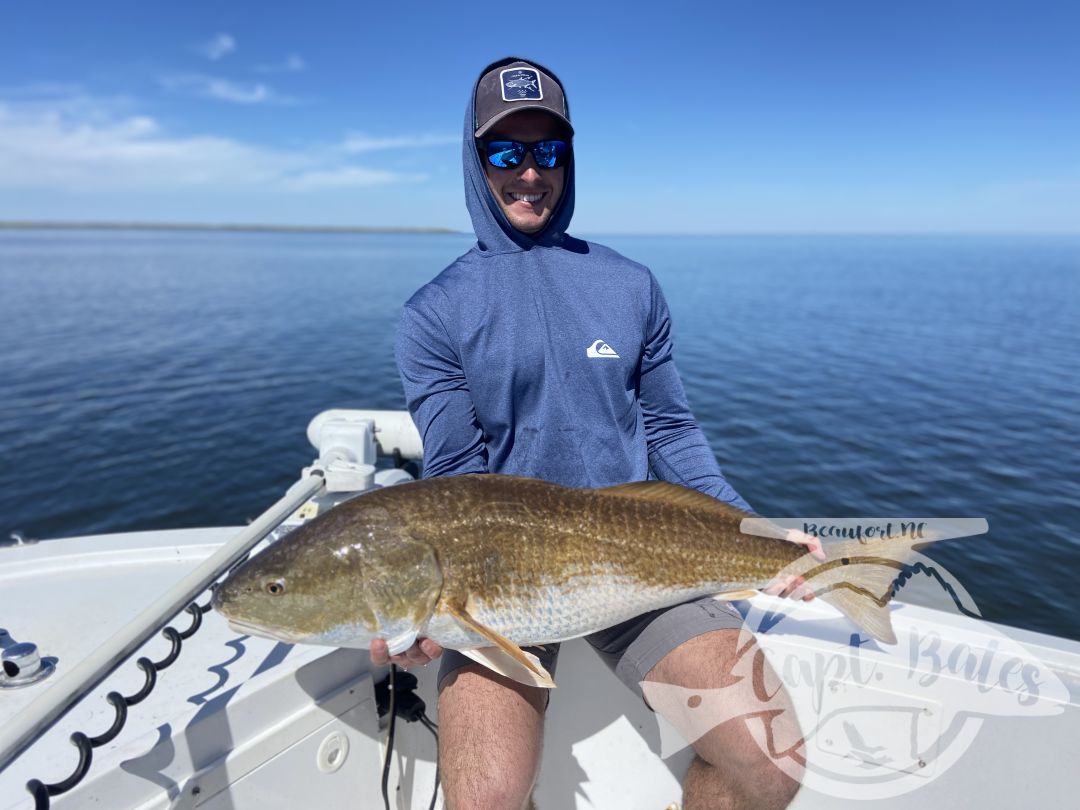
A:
(858, 580)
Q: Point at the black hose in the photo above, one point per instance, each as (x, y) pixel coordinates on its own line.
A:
(389, 741)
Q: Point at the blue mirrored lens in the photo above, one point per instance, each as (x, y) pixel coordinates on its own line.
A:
(549, 154)
(505, 154)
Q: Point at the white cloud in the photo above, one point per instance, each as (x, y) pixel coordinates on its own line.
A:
(68, 100)
(293, 64)
(350, 177)
(358, 142)
(224, 89)
(218, 47)
(77, 147)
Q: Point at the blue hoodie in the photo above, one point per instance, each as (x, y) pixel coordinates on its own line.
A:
(547, 356)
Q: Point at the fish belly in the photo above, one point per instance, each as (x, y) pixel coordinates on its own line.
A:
(555, 612)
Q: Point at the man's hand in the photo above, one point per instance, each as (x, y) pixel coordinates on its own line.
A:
(422, 652)
(795, 587)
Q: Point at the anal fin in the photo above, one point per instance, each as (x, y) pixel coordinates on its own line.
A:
(498, 661)
(534, 673)
(733, 596)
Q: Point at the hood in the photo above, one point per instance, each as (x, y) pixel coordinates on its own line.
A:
(494, 233)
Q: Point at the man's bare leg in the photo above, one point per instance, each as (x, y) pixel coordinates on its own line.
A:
(490, 737)
(732, 769)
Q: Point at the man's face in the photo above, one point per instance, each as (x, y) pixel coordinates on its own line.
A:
(516, 189)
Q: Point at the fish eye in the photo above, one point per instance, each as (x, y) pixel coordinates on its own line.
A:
(275, 587)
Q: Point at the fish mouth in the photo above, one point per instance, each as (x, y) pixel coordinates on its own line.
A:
(249, 629)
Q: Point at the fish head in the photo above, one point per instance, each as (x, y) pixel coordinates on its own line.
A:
(348, 577)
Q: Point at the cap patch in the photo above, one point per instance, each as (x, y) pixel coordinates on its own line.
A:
(520, 84)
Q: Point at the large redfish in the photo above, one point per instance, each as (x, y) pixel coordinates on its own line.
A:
(493, 561)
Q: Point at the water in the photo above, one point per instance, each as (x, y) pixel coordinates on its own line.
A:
(158, 379)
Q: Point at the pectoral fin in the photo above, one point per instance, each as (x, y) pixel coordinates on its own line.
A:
(534, 673)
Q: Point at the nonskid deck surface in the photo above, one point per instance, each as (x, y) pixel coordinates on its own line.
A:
(241, 718)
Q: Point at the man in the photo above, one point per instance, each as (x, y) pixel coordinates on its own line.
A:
(541, 355)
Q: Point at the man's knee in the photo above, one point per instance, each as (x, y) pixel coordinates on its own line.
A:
(756, 746)
(768, 783)
(745, 757)
(757, 787)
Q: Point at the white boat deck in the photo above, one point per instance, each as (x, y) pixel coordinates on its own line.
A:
(240, 722)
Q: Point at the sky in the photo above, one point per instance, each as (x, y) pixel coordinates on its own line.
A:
(720, 117)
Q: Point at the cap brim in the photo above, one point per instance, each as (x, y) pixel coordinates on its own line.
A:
(486, 128)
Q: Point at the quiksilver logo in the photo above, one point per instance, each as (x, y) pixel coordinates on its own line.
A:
(600, 349)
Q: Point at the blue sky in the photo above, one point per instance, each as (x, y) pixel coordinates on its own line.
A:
(691, 118)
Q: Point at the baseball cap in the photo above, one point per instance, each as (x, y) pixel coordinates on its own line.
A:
(512, 85)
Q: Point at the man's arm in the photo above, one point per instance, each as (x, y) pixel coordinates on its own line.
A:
(678, 450)
(441, 406)
(438, 395)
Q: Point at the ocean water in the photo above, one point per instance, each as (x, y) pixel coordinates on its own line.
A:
(165, 379)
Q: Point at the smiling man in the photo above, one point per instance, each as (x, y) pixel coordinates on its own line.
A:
(541, 355)
(528, 194)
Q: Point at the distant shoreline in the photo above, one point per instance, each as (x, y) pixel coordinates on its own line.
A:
(198, 226)
(240, 227)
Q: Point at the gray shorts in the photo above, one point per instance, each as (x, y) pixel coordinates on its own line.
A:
(634, 647)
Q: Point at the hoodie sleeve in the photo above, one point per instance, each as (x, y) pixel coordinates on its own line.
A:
(678, 450)
(438, 395)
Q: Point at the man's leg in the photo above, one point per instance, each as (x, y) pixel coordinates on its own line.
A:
(490, 738)
(734, 767)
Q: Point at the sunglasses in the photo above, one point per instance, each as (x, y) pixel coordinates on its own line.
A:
(509, 154)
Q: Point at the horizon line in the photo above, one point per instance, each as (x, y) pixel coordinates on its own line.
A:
(119, 225)
(74, 225)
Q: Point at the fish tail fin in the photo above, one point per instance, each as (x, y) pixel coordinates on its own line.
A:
(858, 580)
(865, 611)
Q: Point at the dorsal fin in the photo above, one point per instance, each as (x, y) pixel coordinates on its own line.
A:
(663, 492)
